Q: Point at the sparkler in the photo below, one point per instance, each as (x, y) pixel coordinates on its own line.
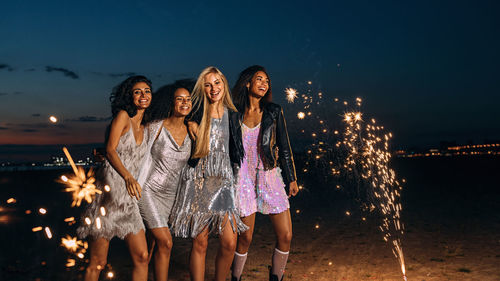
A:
(81, 185)
(48, 232)
(360, 154)
(53, 119)
(71, 243)
(368, 158)
(291, 94)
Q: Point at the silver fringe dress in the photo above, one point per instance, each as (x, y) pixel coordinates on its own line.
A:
(206, 193)
(121, 215)
(160, 187)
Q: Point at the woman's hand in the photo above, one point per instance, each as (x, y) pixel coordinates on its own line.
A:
(133, 187)
(293, 189)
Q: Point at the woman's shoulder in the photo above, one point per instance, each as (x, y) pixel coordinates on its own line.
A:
(272, 107)
(121, 119)
(122, 114)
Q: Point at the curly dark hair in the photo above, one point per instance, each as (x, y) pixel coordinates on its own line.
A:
(122, 97)
(240, 90)
(162, 105)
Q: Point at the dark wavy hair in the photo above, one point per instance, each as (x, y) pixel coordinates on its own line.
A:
(162, 105)
(122, 97)
(240, 90)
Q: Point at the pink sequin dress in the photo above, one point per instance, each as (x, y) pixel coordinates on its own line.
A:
(258, 190)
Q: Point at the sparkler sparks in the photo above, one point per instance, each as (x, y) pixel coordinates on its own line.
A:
(36, 229)
(368, 157)
(71, 243)
(48, 232)
(359, 154)
(81, 185)
(291, 94)
(70, 263)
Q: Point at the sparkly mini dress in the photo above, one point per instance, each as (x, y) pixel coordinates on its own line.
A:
(206, 192)
(160, 187)
(258, 190)
(121, 213)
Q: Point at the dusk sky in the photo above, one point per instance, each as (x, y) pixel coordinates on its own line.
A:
(428, 70)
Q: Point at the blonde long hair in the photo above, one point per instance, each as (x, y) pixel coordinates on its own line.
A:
(200, 102)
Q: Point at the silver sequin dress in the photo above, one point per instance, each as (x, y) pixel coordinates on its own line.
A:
(121, 215)
(206, 193)
(160, 187)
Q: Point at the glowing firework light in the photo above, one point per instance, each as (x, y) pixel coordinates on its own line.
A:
(368, 156)
(291, 94)
(81, 184)
(359, 155)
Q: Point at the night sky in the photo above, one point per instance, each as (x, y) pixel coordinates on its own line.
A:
(428, 70)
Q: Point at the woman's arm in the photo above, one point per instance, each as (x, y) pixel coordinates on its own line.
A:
(120, 125)
(192, 129)
(285, 154)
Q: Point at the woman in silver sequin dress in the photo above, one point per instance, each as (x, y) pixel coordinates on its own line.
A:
(115, 212)
(206, 199)
(169, 153)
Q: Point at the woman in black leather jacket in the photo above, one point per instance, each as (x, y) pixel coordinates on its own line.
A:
(267, 156)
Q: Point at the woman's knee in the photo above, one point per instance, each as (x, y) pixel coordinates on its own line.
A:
(164, 244)
(200, 245)
(285, 238)
(228, 243)
(245, 238)
(140, 257)
(97, 264)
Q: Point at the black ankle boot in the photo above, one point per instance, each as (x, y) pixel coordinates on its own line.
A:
(273, 277)
(235, 279)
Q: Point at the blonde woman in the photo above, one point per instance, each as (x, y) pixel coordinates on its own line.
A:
(206, 199)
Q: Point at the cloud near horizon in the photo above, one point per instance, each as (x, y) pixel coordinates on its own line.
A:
(89, 119)
(6, 67)
(64, 71)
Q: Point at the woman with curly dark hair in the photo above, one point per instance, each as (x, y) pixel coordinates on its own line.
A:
(169, 153)
(259, 181)
(115, 211)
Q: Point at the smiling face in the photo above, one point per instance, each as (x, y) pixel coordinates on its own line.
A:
(182, 103)
(213, 87)
(259, 85)
(141, 94)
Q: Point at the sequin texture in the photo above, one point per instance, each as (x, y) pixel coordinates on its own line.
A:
(206, 192)
(258, 190)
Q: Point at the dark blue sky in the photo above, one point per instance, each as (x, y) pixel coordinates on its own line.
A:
(427, 69)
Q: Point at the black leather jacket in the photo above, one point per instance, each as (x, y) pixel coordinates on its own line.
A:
(273, 138)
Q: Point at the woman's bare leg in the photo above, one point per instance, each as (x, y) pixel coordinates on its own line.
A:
(164, 244)
(225, 254)
(198, 254)
(98, 259)
(245, 238)
(138, 249)
(282, 224)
